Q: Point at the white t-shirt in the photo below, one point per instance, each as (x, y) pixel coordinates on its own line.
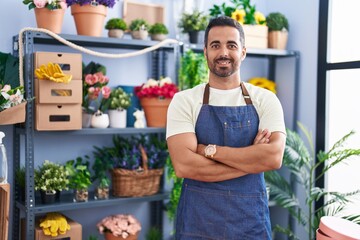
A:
(185, 107)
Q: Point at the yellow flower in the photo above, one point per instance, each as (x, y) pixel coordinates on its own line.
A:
(260, 18)
(263, 83)
(238, 15)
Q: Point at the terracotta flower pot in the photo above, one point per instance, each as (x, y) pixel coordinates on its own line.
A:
(89, 20)
(49, 19)
(155, 111)
(110, 236)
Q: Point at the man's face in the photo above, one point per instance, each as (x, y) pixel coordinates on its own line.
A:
(224, 52)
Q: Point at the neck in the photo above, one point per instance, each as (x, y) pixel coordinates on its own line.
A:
(224, 83)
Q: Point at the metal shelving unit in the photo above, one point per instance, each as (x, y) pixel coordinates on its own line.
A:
(25, 134)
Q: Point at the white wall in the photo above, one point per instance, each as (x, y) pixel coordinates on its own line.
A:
(303, 35)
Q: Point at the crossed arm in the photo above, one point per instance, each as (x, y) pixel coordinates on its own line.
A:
(189, 161)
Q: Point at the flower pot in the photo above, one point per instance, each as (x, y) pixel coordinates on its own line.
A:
(117, 118)
(49, 19)
(100, 120)
(194, 37)
(81, 195)
(86, 120)
(158, 37)
(277, 39)
(155, 110)
(47, 197)
(116, 33)
(89, 19)
(110, 236)
(141, 34)
(102, 193)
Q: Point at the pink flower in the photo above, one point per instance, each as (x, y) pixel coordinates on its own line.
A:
(91, 79)
(40, 3)
(63, 4)
(105, 91)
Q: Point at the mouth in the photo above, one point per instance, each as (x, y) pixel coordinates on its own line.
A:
(223, 62)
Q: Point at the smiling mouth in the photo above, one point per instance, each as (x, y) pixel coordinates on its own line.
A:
(223, 61)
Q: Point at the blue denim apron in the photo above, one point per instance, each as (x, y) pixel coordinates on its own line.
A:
(234, 209)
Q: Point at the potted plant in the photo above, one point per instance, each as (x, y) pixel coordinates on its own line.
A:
(139, 28)
(158, 31)
(50, 179)
(101, 169)
(96, 95)
(155, 97)
(120, 226)
(193, 23)
(49, 14)
(116, 27)
(278, 30)
(89, 15)
(120, 101)
(301, 164)
(79, 178)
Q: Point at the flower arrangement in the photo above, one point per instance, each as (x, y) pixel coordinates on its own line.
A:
(163, 88)
(49, 4)
(263, 83)
(120, 225)
(106, 3)
(10, 97)
(96, 93)
(242, 11)
(119, 99)
(195, 21)
(51, 177)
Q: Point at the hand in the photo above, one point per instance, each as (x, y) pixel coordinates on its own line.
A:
(262, 136)
(201, 149)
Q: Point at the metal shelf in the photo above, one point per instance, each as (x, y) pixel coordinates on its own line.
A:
(66, 202)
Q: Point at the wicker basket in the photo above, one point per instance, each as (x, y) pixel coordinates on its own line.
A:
(136, 183)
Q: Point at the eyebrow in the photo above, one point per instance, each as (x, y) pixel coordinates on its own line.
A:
(228, 42)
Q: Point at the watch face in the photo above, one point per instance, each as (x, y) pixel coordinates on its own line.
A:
(210, 150)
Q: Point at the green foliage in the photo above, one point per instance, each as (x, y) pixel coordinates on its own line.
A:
(20, 177)
(154, 233)
(171, 206)
(101, 169)
(138, 24)
(116, 23)
(92, 68)
(79, 174)
(92, 237)
(9, 70)
(119, 99)
(196, 21)
(301, 164)
(277, 22)
(158, 28)
(51, 177)
(193, 70)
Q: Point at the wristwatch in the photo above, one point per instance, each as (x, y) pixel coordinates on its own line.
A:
(210, 150)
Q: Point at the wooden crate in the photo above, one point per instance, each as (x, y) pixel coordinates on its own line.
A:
(4, 210)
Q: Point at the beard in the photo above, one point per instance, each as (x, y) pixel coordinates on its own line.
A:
(217, 69)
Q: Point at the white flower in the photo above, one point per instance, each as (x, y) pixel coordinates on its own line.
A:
(151, 83)
(165, 80)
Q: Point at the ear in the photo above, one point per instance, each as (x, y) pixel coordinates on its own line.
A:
(243, 54)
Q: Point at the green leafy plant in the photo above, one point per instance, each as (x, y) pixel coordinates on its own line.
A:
(119, 99)
(158, 28)
(138, 24)
(193, 70)
(101, 169)
(79, 174)
(277, 22)
(301, 164)
(195, 21)
(51, 177)
(154, 233)
(20, 177)
(116, 23)
(51, 5)
(175, 193)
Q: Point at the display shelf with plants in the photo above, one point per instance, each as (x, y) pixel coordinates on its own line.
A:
(25, 150)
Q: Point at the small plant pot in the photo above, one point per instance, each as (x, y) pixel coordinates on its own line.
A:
(115, 33)
(158, 37)
(102, 193)
(100, 120)
(141, 34)
(81, 195)
(47, 197)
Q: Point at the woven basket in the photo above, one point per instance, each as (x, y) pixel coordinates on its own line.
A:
(136, 183)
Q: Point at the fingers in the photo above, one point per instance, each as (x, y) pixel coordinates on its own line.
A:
(262, 136)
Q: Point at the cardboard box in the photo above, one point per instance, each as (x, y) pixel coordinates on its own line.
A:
(57, 117)
(52, 92)
(75, 232)
(152, 13)
(70, 63)
(256, 36)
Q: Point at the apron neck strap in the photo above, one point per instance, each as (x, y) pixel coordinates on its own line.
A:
(243, 89)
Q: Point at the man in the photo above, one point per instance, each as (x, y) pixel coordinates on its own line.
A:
(216, 143)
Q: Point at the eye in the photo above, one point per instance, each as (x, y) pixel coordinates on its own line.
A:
(232, 46)
(215, 46)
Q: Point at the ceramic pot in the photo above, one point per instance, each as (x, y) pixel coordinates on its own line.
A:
(278, 39)
(158, 37)
(86, 120)
(89, 19)
(49, 19)
(110, 236)
(155, 110)
(100, 120)
(141, 34)
(116, 33)
(117, 118)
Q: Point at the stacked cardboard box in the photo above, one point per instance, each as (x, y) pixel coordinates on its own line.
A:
(58, 105)
(256, 36)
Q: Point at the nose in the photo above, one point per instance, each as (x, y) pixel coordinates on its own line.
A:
(224, 52)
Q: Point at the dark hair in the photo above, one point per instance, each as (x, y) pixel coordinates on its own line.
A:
(225, 21)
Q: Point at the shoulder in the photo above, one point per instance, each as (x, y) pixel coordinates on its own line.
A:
(261, 95)
(189, 96)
